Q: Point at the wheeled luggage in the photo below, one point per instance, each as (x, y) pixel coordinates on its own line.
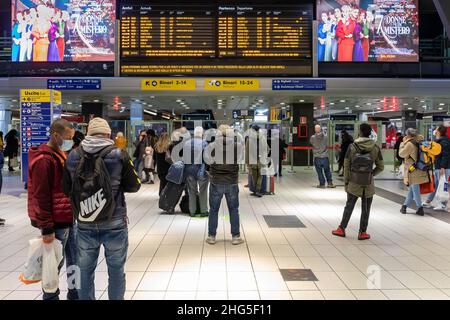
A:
(170, 196)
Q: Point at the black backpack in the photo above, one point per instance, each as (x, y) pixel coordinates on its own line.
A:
(361, 169)
(92, 199)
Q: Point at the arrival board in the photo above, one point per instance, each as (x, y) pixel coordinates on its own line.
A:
(216, 39)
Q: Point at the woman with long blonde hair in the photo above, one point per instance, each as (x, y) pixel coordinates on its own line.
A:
(162, 159)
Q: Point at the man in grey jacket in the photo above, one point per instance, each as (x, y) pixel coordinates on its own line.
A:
(321, 161)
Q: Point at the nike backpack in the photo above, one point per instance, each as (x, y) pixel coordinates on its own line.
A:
(92, 199)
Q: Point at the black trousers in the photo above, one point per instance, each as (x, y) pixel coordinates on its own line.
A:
(366, 204)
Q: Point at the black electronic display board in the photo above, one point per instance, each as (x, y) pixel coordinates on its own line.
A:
(217, 38)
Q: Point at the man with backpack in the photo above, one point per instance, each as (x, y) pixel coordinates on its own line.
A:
(359, 171)
(96, 176)
(416, 171)
(49, 208)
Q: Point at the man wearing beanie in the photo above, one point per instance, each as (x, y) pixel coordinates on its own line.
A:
(113, 232)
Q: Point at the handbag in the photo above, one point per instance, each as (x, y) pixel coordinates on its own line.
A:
(14, 162)
(176, 173)
(427, 187)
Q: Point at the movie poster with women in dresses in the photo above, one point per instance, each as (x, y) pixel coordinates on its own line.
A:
(63, 30)
(368, 30)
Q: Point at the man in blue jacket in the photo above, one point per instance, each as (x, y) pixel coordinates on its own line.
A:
(113, 233)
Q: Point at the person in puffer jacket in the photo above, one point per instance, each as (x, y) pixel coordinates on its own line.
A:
(441, 167)
(49, 208)
(113, 233)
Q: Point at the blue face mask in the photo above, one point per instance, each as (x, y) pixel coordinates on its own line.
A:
(66, 145)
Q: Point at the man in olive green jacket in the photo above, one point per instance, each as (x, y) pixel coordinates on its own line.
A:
(355, 190)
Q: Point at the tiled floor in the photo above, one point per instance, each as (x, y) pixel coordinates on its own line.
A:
(408, 256)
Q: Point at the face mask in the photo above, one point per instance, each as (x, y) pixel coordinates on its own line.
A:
(66, 145)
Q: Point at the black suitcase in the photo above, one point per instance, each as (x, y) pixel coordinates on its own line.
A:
(184, 204)
(170, 196)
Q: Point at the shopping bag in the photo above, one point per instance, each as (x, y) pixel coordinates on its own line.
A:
(33, 266)
(427, 187)
(14, 162)
(442, 190)
(51, 258)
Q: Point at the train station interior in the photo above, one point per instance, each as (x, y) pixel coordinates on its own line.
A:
(286, 247)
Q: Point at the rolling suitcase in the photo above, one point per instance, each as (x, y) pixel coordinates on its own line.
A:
(184, 204)
(270, 183)
(170, 196)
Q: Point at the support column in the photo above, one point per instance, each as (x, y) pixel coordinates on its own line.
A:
(409, 119)
(302, 129)
(92, 110)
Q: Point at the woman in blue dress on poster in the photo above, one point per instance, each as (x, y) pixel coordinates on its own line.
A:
(331, 37)
(16, 37)
(53, 52)
(322, 37)
(358, 52)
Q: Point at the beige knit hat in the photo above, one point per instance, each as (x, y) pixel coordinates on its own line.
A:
(98, 126)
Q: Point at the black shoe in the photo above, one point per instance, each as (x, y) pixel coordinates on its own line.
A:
(144, 181)
(2, 222)
(11, 169)
(403, 209)
(257, 194)
(420, 211)
(275, 175)
(341, 175)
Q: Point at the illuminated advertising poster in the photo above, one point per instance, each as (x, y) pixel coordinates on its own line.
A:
(63, 30)
(368, 30)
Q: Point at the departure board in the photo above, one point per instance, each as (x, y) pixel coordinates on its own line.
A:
(216, 39)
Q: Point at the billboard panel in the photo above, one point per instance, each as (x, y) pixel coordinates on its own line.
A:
(368, 30)
(62, 30)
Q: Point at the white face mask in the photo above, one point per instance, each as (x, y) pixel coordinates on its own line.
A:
(66, 145)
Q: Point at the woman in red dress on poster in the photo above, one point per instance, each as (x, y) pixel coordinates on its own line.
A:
(344, 32)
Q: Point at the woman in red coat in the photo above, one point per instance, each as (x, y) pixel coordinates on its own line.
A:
(344, 32)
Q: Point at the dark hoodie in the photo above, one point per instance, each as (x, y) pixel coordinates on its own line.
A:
(366, 145)
(224, 169)
(48, 206)
(120, 167)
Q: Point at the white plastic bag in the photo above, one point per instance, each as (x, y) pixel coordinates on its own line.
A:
(442, 190)
(33, 266)
(51, 258)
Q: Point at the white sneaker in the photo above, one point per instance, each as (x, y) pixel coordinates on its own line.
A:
(427, 205)
(237, 240)
(211, 240)
(441, 207)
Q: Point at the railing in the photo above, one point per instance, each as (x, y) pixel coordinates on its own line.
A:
(5, 48)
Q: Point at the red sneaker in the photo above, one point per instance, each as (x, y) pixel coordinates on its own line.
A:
(339, 232)
(363, 236)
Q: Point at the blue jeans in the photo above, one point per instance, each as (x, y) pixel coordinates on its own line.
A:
(437, 175)
(113, 235)
(323, 166)
(216, 193)
(413, 195)
(62, 235)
